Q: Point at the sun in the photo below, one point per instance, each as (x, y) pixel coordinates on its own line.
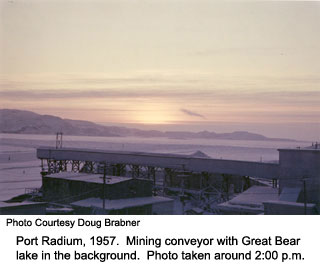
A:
(154, 117)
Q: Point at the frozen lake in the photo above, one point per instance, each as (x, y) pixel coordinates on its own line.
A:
(225, 149)
(20, 169)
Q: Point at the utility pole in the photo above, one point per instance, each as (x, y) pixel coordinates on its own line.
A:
(305, 196)
(104, 186)
(183, 176)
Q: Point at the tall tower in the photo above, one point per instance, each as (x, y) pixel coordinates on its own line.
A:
(59, 140)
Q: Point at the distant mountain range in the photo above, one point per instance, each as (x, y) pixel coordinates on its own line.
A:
(27, 122)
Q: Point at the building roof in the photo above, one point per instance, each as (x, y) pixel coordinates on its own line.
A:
(250, 201)
(290, 194)
(255, 196)
(121, 203)
(22, 204)
(196, 154)
(304, 149)
(90, 178)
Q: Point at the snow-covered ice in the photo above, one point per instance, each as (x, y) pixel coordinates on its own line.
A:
(20, 168)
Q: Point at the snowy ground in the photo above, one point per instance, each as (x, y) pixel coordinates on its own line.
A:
(19, 169)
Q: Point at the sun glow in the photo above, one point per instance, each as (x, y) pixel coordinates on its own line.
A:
(156, 116)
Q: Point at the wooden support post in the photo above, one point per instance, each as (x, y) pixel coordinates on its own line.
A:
(104, 186)
(305, 196)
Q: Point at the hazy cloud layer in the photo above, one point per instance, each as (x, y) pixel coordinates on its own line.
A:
(205, 97)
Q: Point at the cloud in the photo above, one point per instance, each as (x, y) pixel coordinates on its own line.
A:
(191, 113)
(98, 94)
(205, 98)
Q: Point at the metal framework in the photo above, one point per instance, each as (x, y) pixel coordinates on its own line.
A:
(169, 173)
(138, 160)
(59, 139)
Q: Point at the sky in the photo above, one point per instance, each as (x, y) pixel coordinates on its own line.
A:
(189, 65)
